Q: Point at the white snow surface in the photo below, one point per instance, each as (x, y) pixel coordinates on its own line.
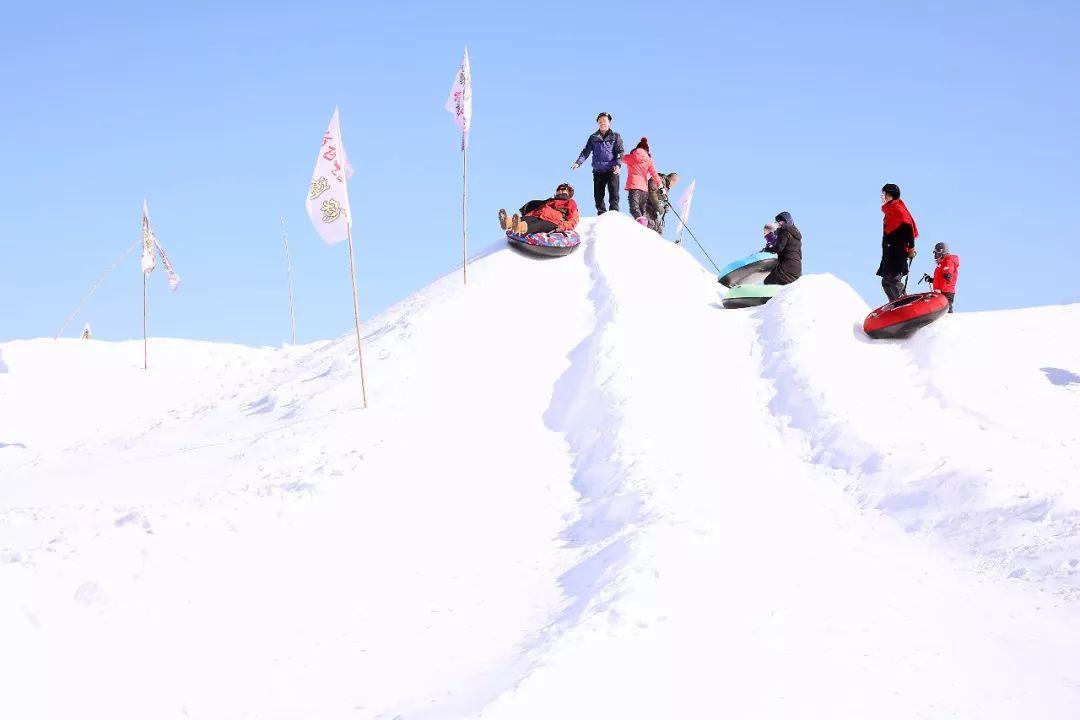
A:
(582, 489)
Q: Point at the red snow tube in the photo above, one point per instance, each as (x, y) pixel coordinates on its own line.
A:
(905, 315)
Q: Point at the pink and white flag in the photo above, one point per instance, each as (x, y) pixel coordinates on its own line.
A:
(684, 208)
(152, 248)
(149, 242)
(460, 100)
(328, 198)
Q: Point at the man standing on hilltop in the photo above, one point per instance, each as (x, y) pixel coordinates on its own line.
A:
(897, 241)
(605, 146)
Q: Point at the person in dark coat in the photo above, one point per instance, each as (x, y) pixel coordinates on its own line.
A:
(606, 147)
(897, 242)
(659, 201)
(788, 248)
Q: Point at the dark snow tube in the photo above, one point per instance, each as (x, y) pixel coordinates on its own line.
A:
(548, 244)
(742, 296)
(750, 269)
(905, 315)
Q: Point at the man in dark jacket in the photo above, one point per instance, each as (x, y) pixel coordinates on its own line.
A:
(788, 248)
(606, 147)
(659, 200)
(897, 242)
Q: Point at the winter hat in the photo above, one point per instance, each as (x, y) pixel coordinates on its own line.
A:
(771, 227)
(644, 143)
(891, 189)
(784, 217)
(941, 249)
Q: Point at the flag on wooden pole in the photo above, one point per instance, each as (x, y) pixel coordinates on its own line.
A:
(328, 198)
(684, 208)
(460, 101)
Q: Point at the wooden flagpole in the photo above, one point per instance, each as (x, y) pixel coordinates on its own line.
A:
(356, 313)
(464, 209)
(288, 271)
(146, 355)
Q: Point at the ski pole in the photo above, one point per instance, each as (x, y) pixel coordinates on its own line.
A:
(687, 227)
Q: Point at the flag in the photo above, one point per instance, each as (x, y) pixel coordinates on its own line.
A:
(460, 100)
(174, 279)
(148, 242)
(684, 208)
(328, 198)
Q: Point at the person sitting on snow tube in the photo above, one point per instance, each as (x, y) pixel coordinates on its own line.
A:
(788, 249)
(556, 214)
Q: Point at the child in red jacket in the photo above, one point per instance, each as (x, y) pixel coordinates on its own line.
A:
(946, 272)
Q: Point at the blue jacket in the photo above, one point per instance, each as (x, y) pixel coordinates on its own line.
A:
(607, 151)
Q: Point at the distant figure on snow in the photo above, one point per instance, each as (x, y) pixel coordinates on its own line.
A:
(897, 242)
(640, 171)
(946, 273)
(660, 200)
(556, 214)
(606, 147)
(788, 248)
(86, 334)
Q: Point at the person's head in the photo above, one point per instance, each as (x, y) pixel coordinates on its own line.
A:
(940, 250)
(643, 143)
(783, 218)
(565, 191)
(603, 121)
(670, 180)
(890, 192)
(770, 228)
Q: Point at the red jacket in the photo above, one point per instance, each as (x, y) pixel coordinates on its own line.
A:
(563, 213)
(639, 170)
(946, 272)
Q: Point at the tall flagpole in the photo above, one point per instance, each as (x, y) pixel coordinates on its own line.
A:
(464, 209)
(145, 352)
(356, 312)
(288, 271)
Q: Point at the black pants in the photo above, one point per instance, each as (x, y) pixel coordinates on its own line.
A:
(602, 181)
(638, 200)
(537, 225)
(893, 285)
(951, 297)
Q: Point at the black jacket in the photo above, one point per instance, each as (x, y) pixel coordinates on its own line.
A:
(789, 256)
(894, 251)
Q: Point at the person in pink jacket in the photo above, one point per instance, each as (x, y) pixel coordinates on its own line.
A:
(639, 170)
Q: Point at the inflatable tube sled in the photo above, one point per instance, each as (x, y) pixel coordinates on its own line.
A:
(749, 270)
(550, 244)
(742, 296)
(904, 315)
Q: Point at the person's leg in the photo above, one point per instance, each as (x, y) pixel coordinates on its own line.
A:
(637, 203)
(951, 297)
(599, 182)
(892, 285)
(613, 190)
(535, 225)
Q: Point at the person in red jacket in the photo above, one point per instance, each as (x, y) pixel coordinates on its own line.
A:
(897, 242)
(556, 214)
(639, 171)
(946, 272)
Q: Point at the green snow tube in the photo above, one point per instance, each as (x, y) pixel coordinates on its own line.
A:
(742, 296)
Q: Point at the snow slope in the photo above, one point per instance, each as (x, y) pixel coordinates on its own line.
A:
(582, 490)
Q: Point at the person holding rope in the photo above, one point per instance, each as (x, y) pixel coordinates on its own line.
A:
(788, 249)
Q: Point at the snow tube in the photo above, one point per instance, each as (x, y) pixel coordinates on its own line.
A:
(750, 269)
(549, 244)
(742, 296)
(905, 315)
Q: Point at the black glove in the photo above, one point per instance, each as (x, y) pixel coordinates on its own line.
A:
(926, 278)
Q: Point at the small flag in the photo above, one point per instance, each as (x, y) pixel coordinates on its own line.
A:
(148, 242)
(174, 279)
(328, 198)
(684, 208)
(460, 100)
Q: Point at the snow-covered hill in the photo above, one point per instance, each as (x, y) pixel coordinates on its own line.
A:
(582, 490)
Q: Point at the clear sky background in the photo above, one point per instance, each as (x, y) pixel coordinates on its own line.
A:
(214, 112)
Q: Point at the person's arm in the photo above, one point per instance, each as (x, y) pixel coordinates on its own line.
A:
(618, 151)
(781, 241)
(572, 216)
(584, 154)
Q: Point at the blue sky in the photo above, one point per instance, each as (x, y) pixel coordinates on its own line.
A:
(213, 113)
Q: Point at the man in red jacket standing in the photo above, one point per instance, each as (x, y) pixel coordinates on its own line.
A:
(897, 242)
(946, 272)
